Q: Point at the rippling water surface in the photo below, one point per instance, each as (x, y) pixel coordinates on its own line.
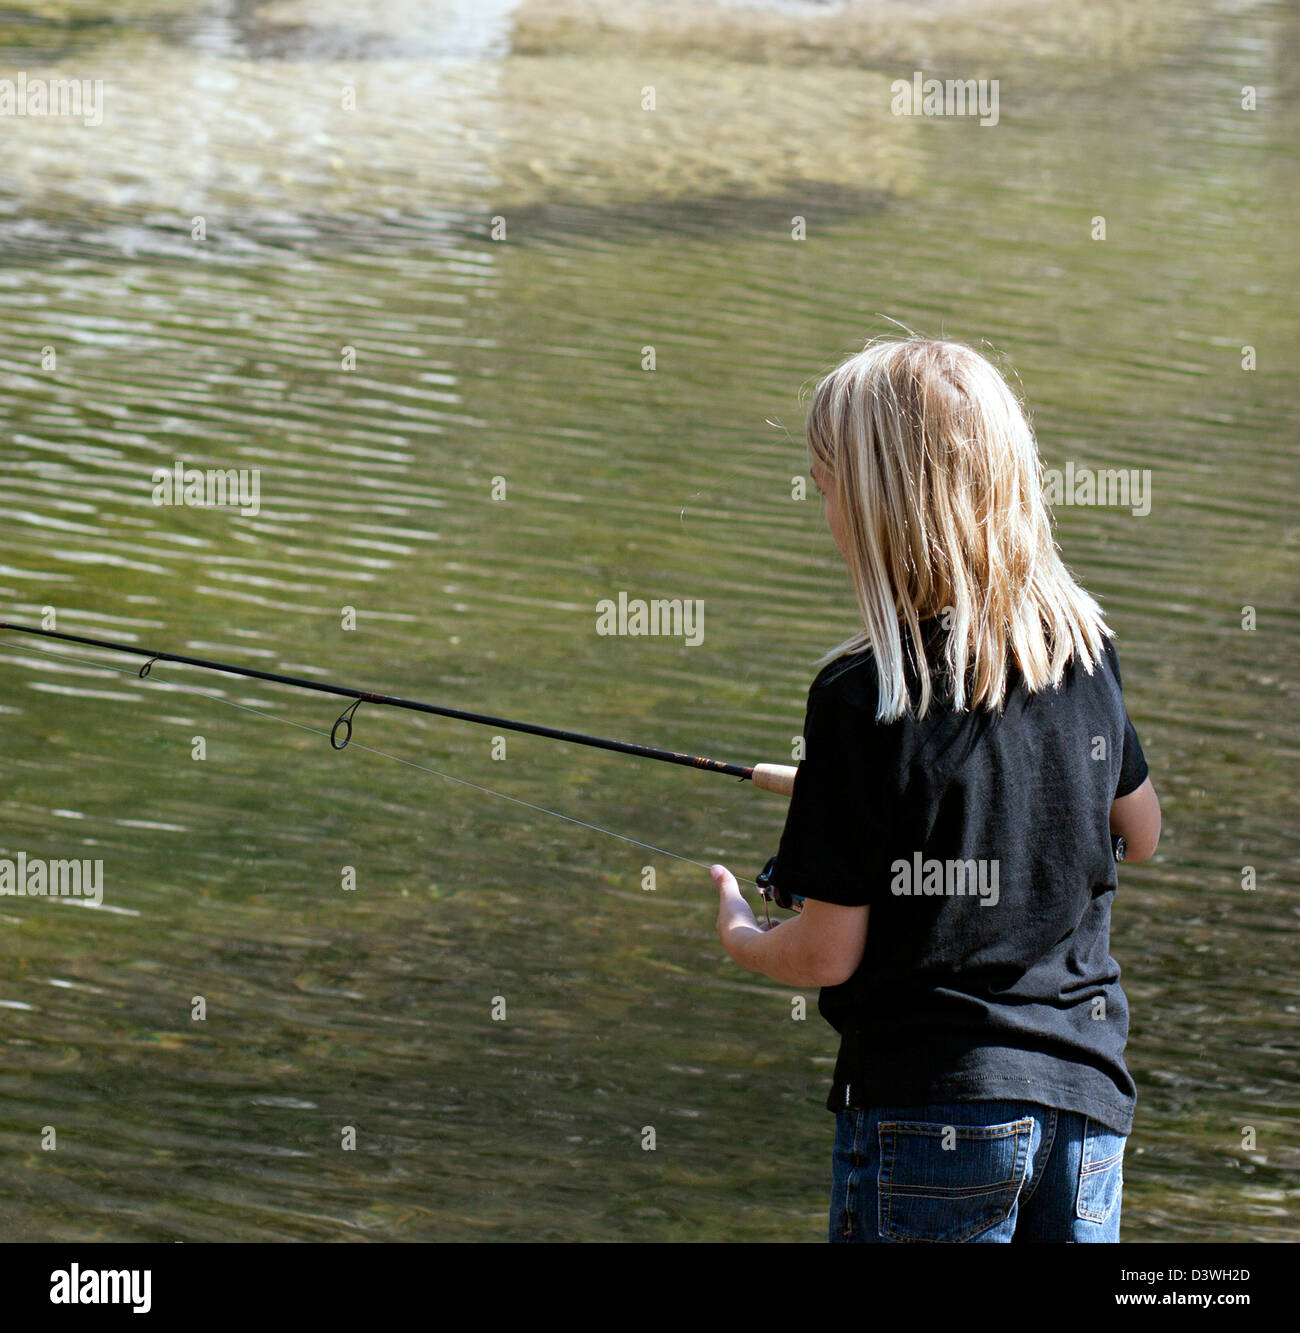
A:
(277, 252)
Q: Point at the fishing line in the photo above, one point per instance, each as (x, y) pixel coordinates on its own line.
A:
(146, 672)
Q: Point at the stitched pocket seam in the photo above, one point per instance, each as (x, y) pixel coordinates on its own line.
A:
(1089, 1171)
(1020, 1131)
(851, 1184)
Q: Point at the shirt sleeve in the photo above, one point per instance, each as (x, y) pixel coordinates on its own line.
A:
(1133, 764)
(1133, 769)
(842, 821)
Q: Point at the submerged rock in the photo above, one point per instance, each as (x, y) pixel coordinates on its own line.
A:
(300, 121)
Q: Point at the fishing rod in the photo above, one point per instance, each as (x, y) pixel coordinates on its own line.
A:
(778, 778)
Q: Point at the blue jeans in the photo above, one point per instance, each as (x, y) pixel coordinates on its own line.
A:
(975, 1171)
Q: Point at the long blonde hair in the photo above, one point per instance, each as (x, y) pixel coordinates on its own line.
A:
(939, 488)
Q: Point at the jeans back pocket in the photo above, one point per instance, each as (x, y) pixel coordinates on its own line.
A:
(1101, 1172)
(946, 1183)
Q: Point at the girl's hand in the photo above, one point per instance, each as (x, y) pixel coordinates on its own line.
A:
(822, 946)
(734, 913)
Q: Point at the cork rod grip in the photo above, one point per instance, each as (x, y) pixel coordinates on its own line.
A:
(775, 777)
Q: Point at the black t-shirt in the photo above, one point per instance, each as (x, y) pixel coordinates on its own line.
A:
(981, 842)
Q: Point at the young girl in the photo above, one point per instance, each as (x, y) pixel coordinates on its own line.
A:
(970, 779)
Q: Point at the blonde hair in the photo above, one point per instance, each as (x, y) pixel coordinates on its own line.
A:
(939, 489)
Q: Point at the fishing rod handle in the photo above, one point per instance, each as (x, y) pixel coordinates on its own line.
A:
(775, 777)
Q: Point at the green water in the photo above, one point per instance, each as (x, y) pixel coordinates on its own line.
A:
(521, 359)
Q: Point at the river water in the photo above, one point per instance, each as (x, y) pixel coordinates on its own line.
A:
(410, 262)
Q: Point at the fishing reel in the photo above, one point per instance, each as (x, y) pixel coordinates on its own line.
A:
(771, 893)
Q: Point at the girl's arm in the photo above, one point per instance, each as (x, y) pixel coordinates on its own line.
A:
(822, 946)
(1136, 818)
